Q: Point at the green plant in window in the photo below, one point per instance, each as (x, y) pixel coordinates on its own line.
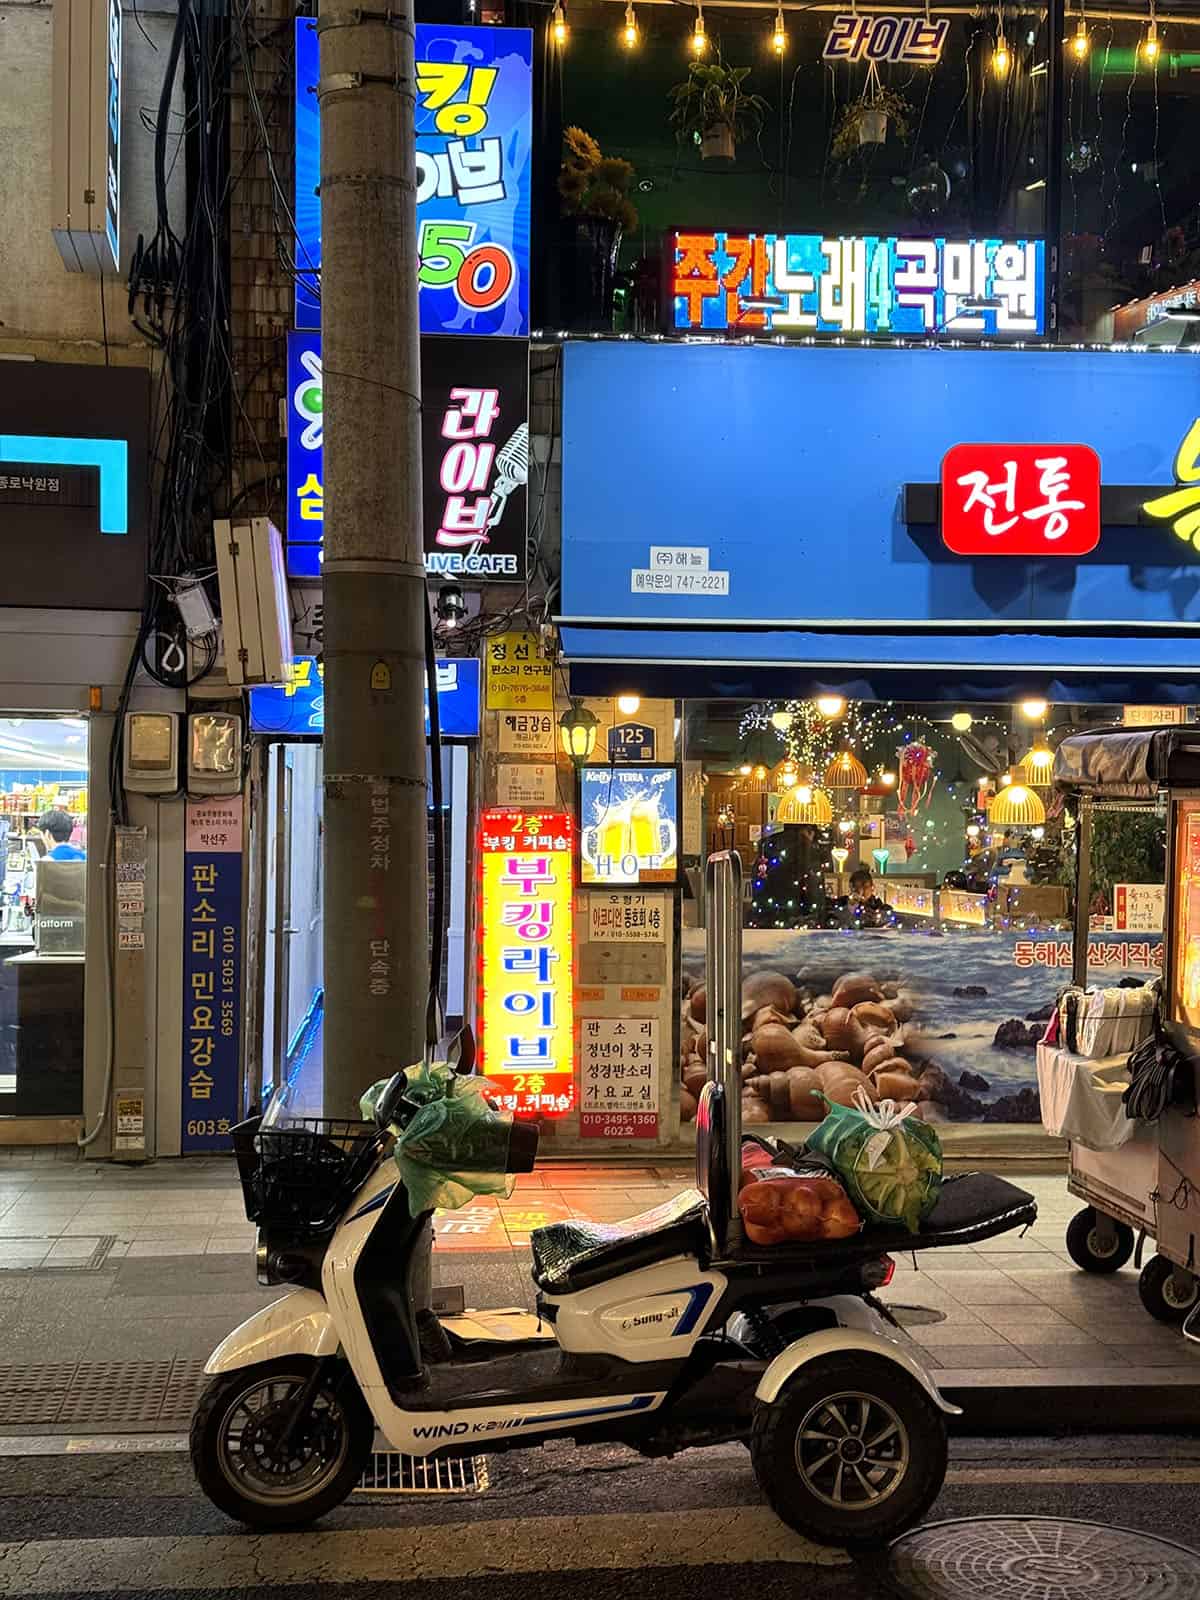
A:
(714, 109)
(592, 184)
(868, 121)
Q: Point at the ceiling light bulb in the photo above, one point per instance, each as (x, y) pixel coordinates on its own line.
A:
(782, 720)
(973, 831)
(803, 793)
(630, 33)
(779, 37)
(627, 704)
(1080, 44)
(961, 721)
(1150, 44)
(699, 37)
(1034, 710)
(745, 770)
(887, 779)
(1001, 60)
(558, 23)
(830, 705)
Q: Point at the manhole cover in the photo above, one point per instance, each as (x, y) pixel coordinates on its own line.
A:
(916, 1316)
(50, 1253)
(1040, 1558)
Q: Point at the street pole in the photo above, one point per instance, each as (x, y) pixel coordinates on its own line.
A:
(376, 899)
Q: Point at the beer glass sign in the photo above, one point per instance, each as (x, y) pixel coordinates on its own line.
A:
(628, 831)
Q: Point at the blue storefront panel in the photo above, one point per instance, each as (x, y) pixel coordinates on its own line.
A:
(783, 473)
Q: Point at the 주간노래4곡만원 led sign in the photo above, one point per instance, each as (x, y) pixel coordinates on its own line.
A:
(526, 959)
(1021, 499)
(807, 284)
(474, 120)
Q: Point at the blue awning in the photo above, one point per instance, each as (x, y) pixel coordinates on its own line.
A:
(1145, 668)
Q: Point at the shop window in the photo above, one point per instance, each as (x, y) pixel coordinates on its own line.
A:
(908, 911)
(43, 900)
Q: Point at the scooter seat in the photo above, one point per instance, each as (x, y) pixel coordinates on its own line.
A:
(569, 1256)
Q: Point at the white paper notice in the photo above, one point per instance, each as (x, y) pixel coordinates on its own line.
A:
(528, 784)
(526, 733)
(646, 580)
(1139, 907)
(676, 557)
(618, 1077)
(626, 918)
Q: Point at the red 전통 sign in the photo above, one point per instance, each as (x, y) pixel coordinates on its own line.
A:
(1021, 499)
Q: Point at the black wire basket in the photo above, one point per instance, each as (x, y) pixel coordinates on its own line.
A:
(303, 1174)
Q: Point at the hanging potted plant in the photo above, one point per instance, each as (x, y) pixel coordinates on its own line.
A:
(596, 212)
(867, 121)
(713, 109)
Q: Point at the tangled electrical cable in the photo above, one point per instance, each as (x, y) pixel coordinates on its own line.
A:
(1158, 1079)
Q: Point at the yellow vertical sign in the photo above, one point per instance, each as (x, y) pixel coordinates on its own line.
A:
(526, 960)
(517, 678)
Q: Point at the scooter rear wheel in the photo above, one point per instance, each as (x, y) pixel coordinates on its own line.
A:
(245, 1466)
(852, 1453)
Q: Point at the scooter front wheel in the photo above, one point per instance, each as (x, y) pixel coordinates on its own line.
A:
(852, 1453)
(259, 1462)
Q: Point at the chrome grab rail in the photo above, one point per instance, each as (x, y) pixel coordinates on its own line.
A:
(723, 1001)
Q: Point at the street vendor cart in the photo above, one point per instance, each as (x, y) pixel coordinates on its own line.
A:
(1134, 1158)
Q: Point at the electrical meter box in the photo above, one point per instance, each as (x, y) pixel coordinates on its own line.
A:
(151, 758)
(214, 752)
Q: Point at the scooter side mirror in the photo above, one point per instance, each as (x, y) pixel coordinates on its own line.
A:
(387, 1107)
(461, 1054)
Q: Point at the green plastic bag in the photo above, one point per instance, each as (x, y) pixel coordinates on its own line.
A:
(889, 1161)
(455, 1146)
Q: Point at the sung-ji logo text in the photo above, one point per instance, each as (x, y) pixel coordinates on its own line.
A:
(1021, 499)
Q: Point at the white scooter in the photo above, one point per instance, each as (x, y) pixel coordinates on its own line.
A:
(667, 1331)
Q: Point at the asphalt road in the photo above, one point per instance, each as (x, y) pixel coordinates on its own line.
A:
(599, 1522)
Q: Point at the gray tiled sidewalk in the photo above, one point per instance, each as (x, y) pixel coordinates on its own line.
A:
(100, 1262)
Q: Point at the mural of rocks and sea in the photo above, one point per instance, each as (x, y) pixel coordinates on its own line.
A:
(947, 1019)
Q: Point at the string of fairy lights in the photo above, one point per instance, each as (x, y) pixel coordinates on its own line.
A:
(808, 752)
(699, 41)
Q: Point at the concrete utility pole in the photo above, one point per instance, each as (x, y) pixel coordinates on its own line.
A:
(376, 900)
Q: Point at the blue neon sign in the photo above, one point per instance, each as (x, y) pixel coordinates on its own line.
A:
(474, 168)
(298, 708)
(109, 456)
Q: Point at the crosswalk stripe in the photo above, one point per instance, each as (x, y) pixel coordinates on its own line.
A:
(725, 1536)
(996, 1476)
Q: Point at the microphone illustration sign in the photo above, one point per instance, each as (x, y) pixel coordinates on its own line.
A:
(475, 456)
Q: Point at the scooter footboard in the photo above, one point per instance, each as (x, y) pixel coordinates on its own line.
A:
(297, 1325)
(854, 1332)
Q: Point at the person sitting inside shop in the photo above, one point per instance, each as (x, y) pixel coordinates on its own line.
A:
(56, 827)
(862, 907)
